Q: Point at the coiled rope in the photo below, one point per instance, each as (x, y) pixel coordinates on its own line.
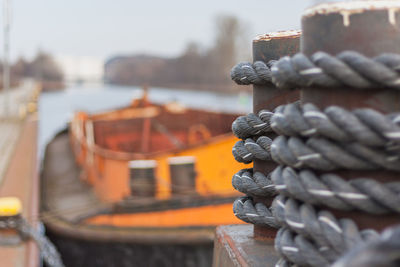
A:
(331, 190)
(248, 126)
(255, 213)
(365, 126)
(317, 153)
(346, 69)
(324, 140)
(384, 251)
(253, 183)
(258, 73)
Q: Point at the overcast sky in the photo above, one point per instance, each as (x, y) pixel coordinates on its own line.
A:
(102, 28)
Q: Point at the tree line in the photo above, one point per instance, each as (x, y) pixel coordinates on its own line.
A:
(195, 68)
(42, 68)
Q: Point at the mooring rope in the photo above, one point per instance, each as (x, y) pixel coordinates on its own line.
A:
(319, 226)
(253, 183)
(247, 126)
(317, 153)
(295, 248)
(258, 73)
(333, 191)
(346, 69)
(47, 249)
(322, 140)
(383, 251)
(255, 213)
(248, 150)
(366, 126)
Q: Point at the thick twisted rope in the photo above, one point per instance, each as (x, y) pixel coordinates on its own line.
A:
(385, 251)
(333, 191)
(253, 183)
(348, 68)
(317, 153)
(365, 126)
(258, 73)
(26, 232)
(248, 150)
(322, 235)
(296, 250)
(251, 125)
(320, 226)
(362, 139)
(323, 154)
(255, 213)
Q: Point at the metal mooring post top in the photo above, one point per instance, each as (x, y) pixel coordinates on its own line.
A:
(277, 35)
(274, 45)
(351, 7)
(369, 27)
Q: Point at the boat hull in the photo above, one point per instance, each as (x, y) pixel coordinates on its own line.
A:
(77, 252)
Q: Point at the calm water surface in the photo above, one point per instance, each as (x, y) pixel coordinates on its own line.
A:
(57, 108)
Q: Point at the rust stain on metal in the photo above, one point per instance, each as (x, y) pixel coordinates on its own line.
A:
(347, 9)
(352, 7)
(264, 233)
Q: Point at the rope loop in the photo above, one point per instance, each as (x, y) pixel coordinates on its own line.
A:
(346, 69)
(245, 73)
(255, 213)
(253, 183)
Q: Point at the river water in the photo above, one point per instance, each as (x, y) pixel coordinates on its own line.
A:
(57, 108)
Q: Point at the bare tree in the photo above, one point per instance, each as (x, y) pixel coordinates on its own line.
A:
(229, 35)
(44, 67)
(195, 67)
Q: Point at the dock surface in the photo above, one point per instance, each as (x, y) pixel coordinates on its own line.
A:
(235, 245)
(12, 119)
(18, 169)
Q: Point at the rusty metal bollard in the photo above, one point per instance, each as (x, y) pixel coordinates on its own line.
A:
(339, 166)
(334, 192)
(371, 31)
(268, 47)
(235, 244)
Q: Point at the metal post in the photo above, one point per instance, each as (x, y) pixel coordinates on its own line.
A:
(371, 28)
(268, 47)
(6, 56)
(245, 245)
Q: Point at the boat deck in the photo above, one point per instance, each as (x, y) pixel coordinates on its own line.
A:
(64, 195)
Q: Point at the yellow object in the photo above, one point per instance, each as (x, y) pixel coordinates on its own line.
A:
(32, 107)
(10, 206)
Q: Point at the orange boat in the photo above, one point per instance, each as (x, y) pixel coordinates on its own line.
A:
(155, 179)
